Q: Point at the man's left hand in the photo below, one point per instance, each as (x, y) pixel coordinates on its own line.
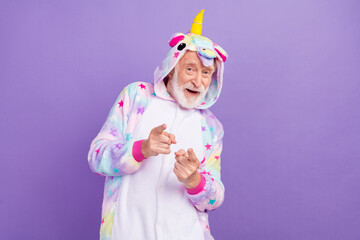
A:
(185, 168)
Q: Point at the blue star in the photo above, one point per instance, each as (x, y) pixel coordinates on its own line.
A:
(212, 201)
(211, 128)
(116, 170)
(154, 94)
(128, 136)
(110, 192)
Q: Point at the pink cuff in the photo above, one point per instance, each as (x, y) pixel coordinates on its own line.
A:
(198, 188)
(136, 151)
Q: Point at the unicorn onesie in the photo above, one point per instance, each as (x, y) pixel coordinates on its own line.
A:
(143, 199)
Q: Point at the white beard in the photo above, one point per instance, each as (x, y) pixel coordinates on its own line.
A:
(178, 92)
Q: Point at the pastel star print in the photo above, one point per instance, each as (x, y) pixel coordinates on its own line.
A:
(128, 136)
(176, 54)
(203, 129)
(212, 201)
(142, 86)
(205, 172)
(208, 146)
(119, 145)
(113, 132)
(141, 110)
(97, 151)
(121, 103)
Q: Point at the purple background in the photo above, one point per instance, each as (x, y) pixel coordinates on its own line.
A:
(289, 106)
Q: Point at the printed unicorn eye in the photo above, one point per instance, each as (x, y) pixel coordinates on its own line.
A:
(181, 46)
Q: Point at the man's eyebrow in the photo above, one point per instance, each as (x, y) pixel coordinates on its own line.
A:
(210, 68)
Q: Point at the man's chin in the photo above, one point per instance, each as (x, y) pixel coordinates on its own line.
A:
(190, 103)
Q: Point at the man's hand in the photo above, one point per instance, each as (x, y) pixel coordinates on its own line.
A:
(158, 142)
(185, 168)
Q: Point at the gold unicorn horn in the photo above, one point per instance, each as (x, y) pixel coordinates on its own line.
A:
(196, 26)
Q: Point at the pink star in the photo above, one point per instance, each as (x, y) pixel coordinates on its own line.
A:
(176, 54)
(208, 146)
(207, 227)
(121, 103)
(142, 86)
(205, 172)
(97, 151)
(102, 221)
(141, 110)
(203, 103)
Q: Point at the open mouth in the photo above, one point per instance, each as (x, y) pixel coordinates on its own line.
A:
(192, 91)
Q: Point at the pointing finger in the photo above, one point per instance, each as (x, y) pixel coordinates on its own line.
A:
(159, 129)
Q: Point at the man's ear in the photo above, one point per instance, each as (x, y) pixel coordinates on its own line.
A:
(171, 73)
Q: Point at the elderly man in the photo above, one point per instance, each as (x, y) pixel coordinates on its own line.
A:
(160, 147)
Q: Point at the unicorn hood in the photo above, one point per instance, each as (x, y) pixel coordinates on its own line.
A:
(207, 51)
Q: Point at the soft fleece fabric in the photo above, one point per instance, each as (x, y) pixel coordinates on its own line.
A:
(111, 152)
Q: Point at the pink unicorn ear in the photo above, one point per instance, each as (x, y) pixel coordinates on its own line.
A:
(221, 52)
(175, 38)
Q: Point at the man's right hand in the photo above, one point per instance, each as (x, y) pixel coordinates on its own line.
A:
(158, 142)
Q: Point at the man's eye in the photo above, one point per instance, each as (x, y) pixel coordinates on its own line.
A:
(206, 72)
(189, 69)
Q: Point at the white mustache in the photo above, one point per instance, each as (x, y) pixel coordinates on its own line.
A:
(190, 87)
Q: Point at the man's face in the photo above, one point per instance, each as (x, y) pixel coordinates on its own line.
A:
(190, 81)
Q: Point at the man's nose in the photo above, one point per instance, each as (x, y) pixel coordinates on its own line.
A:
(197, 80)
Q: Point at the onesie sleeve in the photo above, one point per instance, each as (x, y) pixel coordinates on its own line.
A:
(209, 194)
(111, 152)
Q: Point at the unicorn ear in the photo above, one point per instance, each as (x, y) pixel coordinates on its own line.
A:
(175, 38)
(221, 52)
